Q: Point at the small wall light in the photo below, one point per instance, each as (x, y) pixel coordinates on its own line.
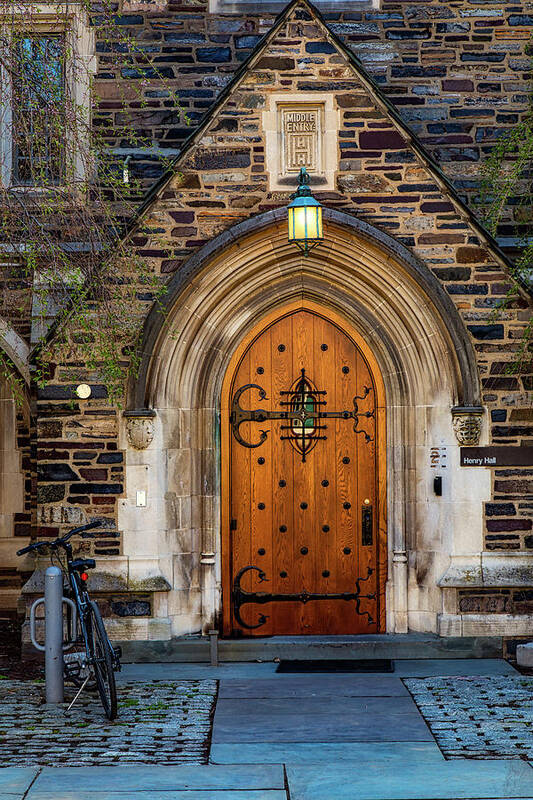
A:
(83, 391)
(305, 216)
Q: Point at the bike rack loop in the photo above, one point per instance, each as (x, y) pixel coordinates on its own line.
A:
(53, 632)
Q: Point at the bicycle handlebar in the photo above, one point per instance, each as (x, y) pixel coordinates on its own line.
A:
(61, 541)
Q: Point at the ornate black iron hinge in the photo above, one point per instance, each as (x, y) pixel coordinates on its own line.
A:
(241, 597)
(304, 410)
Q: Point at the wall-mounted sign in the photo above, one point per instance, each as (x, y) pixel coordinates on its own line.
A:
(301, 137)
(301, 130)
(497, 456)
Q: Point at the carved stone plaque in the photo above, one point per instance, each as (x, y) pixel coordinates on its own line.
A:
(301, 138)
(301, 130)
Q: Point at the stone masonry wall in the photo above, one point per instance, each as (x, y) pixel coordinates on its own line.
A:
(456, 78)
(457, 72)
(79, 468)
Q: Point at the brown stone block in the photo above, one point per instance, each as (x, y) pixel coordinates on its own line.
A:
(283, 64)
(93, 474)
(512, 33)
(307, 31)
(392, 199)
(182, 217)
(501, 368)
(441, 238)
(509, 525)
(502, 545)
(471, 255)
(438, 206)
(500, 288)
(513, 487)
(351, 100)
(522, 414)
(489, 276)
(500, 384)
(362, 182)
(49, 429)
(177, 232)
(170, 265)
(186, 180)
(456, 85)
(47, 532)
(246, 201)
(50, 455)
(111, 90)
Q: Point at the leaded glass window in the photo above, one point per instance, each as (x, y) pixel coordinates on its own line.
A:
(38, 109)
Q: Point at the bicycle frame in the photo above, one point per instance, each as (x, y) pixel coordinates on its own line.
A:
(80, 597)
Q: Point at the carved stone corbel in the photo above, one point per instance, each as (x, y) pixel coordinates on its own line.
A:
(140, 427)
(467, 421)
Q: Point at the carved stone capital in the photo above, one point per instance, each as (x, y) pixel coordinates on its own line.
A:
(467, 421)
(140, 427)
(399, 557)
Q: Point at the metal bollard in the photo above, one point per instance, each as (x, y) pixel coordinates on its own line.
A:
(213, 648)
(53, 632)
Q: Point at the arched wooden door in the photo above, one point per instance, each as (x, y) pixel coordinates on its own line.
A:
(304, 519)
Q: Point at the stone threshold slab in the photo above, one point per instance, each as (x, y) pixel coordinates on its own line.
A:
(16, 780)
(242, 708)
(209, 794)
(448, 780)
(55, 780)
(305, 687)
(385, 753)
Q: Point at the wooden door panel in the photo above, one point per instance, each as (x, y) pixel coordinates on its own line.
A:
(282, 577)
(299, 483)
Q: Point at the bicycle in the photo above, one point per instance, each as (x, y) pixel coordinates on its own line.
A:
(100, 660)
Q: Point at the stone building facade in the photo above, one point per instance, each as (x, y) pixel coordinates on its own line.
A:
(393, 109)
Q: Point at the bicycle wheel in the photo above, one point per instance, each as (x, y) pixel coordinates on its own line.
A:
(102, 661)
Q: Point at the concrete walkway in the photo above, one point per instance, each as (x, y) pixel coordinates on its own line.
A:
(299, 737)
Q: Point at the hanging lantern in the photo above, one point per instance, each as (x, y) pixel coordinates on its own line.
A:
(305, 216)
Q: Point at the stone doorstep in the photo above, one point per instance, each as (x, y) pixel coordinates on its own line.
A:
(395, 646)
(524, 654)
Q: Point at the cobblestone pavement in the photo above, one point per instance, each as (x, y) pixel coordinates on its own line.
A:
(478, 717)
(159, 722)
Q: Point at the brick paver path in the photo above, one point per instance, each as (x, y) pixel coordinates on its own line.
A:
(159, 722)
(478, 717)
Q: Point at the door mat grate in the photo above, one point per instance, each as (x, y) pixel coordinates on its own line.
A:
(337, 665)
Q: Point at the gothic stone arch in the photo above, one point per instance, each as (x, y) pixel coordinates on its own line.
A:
(427, 363)
(15, 512)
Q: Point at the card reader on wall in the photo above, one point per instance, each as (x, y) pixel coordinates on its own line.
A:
(437, 485)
